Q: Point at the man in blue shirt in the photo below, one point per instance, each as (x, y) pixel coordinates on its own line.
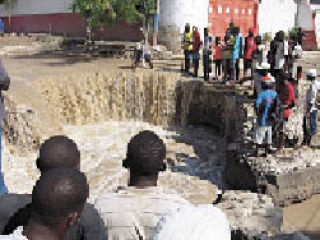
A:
(266, 109)
(236, 54)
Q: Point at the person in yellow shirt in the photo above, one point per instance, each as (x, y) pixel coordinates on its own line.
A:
(187, 40)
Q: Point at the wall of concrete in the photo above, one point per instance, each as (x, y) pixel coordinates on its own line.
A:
(276, 15)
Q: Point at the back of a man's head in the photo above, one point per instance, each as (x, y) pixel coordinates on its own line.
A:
(58, 152)
(145, 154)
(57, 194)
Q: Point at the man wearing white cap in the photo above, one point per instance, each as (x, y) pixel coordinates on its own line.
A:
(262, 70)
(312, 104)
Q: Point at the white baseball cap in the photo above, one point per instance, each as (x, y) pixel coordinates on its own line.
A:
(263, 65)
(311, 73)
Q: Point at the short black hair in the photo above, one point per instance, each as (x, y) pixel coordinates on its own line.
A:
(145, 154)
(57, 193)
(283, 76)
(58, 152)
(267, 86)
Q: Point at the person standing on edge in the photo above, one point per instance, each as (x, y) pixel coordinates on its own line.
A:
(266, 108)
(287, 97)
(218, 57)
(187, 39)
(272, 54)
(300, 36)
(206, 54)
(229, 41)
(4, 86)
(312, 104)
(280, 58)
(195, 50)
(236, 53)
(249, 47)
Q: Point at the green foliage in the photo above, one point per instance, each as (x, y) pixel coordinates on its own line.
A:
(267, 37)
(95, 11)
(110, 12)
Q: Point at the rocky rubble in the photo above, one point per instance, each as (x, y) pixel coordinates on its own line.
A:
(251, 212)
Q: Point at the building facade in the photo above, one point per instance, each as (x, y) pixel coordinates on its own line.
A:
(243, 13)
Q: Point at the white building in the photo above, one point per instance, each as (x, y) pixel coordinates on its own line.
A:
(179, 12)
(276, 15)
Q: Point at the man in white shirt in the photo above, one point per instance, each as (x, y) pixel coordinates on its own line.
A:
(193, 223)
(133, 212)
(58, 200)
(312, 104)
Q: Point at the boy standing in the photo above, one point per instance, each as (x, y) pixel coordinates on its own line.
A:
(265, 108)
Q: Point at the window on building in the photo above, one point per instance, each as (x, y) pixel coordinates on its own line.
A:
(243, 11)
(210, 10)
(219, 9)
(228, 10)
(250, 11)
(236, 11)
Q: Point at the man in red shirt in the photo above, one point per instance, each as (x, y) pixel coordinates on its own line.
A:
(287, 97)
(250, 47)
(196, 48)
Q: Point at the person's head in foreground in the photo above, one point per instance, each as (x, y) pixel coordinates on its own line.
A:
(193, 223)
(311, 74)
(58, 199)
(58, 152)
(145, 159)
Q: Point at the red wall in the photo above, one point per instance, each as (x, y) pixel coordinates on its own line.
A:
(220, 21)
(120, 32)
(68, 23)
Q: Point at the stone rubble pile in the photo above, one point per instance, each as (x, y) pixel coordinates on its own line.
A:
(251, 212)
(29, 45)
(21, 127)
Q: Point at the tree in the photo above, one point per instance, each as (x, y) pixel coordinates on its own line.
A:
(96, 12)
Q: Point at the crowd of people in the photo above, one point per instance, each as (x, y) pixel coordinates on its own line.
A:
(275, 72)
